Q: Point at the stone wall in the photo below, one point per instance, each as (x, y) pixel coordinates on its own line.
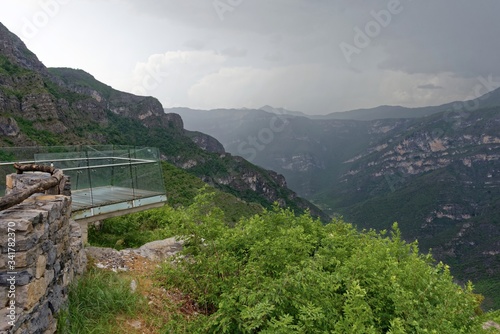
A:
(38, 260)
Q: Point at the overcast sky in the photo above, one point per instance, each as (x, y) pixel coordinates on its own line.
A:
(314, 56)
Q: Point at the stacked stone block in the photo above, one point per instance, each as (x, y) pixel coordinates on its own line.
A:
(48, 255)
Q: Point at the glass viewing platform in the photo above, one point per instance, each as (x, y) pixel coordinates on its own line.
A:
(106, 181)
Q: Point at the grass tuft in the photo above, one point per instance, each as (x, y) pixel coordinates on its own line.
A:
(95, 302)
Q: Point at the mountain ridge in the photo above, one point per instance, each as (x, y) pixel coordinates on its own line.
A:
(489, 99)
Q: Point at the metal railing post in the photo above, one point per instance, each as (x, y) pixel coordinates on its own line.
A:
(131, 173)
(90, 178)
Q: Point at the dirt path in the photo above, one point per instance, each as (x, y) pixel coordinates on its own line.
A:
(159, 304)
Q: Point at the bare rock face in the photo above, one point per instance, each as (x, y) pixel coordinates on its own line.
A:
(156, 251)
(206, 142)
(174, 120)
(38, 107)
(160, 249)
(8, 127)
(18, 53)
(490, 325)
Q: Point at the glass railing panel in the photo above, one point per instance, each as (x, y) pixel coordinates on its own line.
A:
(128, 171)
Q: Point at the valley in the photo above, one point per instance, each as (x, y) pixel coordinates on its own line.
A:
(437, 176)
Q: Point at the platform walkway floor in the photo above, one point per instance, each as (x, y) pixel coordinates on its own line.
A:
(100, 196)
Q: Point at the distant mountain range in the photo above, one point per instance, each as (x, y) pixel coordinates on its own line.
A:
(282, 111)
(437, 173)
(491, 99)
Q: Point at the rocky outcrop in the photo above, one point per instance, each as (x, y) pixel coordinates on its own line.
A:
(491, 325)
(8, 127)
(148, 110)
(206, 142)
(248, 181)
(301, 162)
(112, 259)
(173, 121)
(253, 181)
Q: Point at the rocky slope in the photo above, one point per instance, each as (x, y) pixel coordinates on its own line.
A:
(40, 106)
(440, 179)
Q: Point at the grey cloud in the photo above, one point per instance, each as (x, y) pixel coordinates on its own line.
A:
(429, 86)
(259, 16)
(447, 42)
(234, 52)
(445, 36)
(274, 56)
(195, 44)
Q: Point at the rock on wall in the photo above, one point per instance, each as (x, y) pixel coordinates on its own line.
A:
(41, 251)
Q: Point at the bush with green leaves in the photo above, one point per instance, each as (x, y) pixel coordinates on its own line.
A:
(133, 230)
(281, 273)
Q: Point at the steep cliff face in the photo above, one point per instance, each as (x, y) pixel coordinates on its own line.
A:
(425, 147)
(431, 145)
(16, 51)
(243, 179)
(440, 180)
(147, 110)
(61, 106)
(34, 108)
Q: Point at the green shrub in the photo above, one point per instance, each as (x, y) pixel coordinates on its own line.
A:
(7, 67)
(43, 137)
(279, 273)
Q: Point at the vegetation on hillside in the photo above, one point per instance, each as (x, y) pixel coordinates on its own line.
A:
(39, 136)
(82, 79)
(9, 68)
(280, 273)
(375, 173)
